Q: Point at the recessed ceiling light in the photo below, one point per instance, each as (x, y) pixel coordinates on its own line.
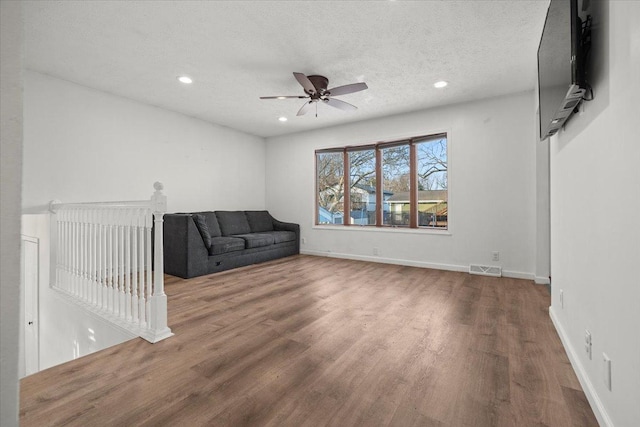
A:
(185, 80)
(440, 84)
(282, 119)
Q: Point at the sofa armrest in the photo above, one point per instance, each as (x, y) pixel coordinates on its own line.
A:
(288, 226)
(184, 249)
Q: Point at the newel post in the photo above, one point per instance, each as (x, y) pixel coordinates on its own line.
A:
(158, 314)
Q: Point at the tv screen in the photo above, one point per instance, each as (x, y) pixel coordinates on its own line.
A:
(559, 87)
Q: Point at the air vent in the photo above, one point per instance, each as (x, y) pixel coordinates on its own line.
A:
(485, 270)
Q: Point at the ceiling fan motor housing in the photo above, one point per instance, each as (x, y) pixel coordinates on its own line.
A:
(320, 83)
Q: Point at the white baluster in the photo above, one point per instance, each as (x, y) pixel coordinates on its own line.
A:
(76, 252)
(149, 247)
(82, 249)
(116, 265)
(72, 248)
(58, 244)
(127, 263)
(87, 249)
(134, 268)
(123, 310)
(141, 249)
(63, 250)
(94, 259)
(109, 304)
(105, 261)
(69, 251)
(100, 261)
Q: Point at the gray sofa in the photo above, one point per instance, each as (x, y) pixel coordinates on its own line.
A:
(201, 243)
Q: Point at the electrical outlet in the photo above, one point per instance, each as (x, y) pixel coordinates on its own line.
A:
(495, 256)
(587, 342)
(304, 240)
(607, 370)
(376, 251)
(561, 298)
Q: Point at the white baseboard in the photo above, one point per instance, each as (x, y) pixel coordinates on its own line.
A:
(383, 260)
(517, 275)
(410, 263)
(542, 280)
(589, 390)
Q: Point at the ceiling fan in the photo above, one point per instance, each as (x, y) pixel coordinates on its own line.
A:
(316, 90)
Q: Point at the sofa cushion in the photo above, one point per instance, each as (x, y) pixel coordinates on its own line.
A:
(212, 223)
(223, 245)
(259, 221)
(282, 236)
(233, 222)
(256, 240)
(201, 224)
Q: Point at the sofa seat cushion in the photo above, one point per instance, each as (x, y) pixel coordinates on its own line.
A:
(256, 240)
(223, 245)
(259, 221)
(233, 222)
(282, 236)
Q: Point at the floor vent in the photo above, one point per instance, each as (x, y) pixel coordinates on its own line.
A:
(485, 270)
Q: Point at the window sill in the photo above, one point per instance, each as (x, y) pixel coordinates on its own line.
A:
(400, 230)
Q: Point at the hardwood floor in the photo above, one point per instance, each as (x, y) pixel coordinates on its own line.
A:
(311, 341)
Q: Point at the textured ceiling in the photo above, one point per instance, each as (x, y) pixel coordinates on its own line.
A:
(237, 51)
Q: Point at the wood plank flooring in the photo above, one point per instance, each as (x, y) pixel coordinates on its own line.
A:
(312, 341)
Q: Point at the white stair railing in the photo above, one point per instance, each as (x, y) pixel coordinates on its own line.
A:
(103, 254)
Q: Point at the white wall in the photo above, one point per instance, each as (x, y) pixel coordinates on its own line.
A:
(81, 144)
(10, 180)
(492, 187)
(595, 226)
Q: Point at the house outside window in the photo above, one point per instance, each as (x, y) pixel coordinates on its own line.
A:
(391, 184)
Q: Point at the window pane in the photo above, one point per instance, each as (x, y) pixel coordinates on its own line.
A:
(330, 185)
(395, 185)
(432, 183)
(362, 176)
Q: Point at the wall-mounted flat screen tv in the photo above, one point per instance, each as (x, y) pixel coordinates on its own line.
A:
(561, 64)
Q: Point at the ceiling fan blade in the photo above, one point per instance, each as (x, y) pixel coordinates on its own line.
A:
(303, 110)
(345, 106)
(343, 90)
(305, 82)
(283, 97)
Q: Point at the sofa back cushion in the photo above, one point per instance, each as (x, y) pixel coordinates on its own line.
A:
(233, 222)
(259, 221)
(212, 223)
(203, 228)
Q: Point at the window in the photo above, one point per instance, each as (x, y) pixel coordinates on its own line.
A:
(391, 184)
(362, 182)
(330, 187)
(432, 182)
(396, 179)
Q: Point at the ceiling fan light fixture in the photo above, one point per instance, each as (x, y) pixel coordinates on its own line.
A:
(440, 84)
(185, 79)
